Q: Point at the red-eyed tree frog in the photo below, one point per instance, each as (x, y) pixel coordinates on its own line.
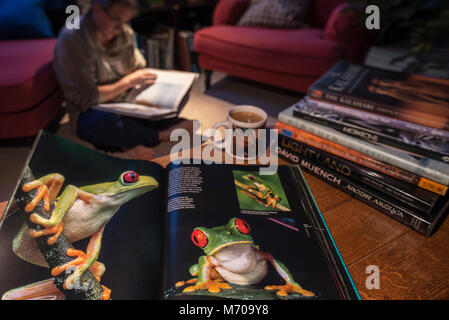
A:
(232, 257)
(79, 213)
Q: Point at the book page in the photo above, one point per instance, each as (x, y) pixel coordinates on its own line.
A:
(131, 241)
(235, 217)
(168, 90)
(161, 100)
(134, 110)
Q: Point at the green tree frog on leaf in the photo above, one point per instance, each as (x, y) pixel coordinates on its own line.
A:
(79, 213)
(232, 257)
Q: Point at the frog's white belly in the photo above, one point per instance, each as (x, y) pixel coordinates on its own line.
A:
(240, 264)
(80, 222)
(83, 219)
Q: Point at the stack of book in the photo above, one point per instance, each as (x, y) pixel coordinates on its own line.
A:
(380, 136)
(158, 47)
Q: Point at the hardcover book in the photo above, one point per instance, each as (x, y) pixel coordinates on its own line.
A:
(371, 188)
(413, 142)
(410, 97)
(430, 169)
(162, 100)
(408, 194)
(85, 225)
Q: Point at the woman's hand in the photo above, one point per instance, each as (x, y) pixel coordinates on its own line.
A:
(140, 77)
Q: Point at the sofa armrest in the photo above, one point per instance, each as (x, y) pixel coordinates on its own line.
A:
(228, 12)
(344, 27)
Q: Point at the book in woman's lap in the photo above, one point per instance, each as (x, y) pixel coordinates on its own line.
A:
(163, 99)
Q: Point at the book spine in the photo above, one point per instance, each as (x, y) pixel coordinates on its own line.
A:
(360, 104)
(359, 158)
(193, 55)
(428, 168)
(368, 135)
(390, 122)
(368, 196)
(295, 151)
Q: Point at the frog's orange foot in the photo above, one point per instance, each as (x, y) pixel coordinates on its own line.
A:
(272, 202)
(42, 193)
(77, 264)
(97, 269)
(287, 288)
(55, 231)
(212, 286)
(81, 257)
(182, 283)
(106, 294)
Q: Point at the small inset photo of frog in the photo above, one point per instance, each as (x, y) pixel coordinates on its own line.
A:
(234, 267)
(260, 192)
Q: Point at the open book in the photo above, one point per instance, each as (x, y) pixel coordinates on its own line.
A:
(182, 232)
(164, 99)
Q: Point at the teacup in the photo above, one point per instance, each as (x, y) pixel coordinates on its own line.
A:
(245, 121)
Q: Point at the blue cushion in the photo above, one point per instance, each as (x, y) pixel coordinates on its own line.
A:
(24, 19)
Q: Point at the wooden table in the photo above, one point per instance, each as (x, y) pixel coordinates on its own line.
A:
(411, 265)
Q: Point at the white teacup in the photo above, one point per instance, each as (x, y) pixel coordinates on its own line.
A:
(242, 117)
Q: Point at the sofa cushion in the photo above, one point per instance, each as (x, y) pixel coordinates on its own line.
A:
(295, 51)
(279, 79)
(24, 19)
(27, 75)
(26, 124)
(275, 14)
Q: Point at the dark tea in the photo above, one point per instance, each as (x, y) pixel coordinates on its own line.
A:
(246, 117)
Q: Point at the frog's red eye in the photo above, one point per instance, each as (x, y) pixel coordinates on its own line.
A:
(130, 177)
(199, 238)
(242, 226)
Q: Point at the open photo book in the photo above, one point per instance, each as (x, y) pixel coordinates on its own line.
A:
(84, 225)
(161, 100)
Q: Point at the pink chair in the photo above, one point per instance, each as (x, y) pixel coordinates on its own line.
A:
(30, 94)
(287, 58)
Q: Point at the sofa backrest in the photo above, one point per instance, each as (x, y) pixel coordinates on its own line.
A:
(320, 10)
(229, 11)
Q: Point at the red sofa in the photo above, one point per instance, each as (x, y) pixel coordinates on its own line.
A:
(30, 96)
(288, 58)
